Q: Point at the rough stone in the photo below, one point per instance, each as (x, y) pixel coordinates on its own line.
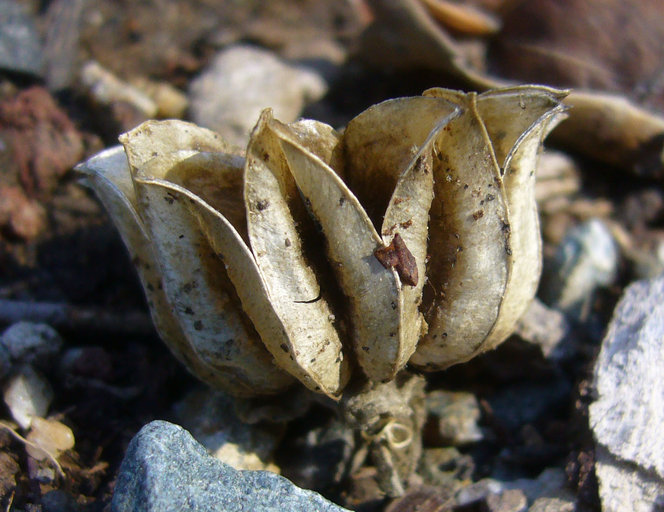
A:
(628, 415)
(165, 470)
(105, 89)
(230, 94)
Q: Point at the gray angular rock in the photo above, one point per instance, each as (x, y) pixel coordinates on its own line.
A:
(628, 415)
(20, 46)
(585, 260)
(241, 81)
(165, 469)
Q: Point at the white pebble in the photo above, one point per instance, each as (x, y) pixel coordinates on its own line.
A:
(27, 394)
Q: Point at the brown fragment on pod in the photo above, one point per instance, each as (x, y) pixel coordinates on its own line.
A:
(397, 256)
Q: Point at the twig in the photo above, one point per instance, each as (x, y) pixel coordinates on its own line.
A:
(22, 439)
(10, 501)
(75, 318)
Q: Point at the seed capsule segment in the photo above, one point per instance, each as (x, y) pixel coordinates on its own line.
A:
(518, 139)
(485, 222)
(109, 174)
(279, 230)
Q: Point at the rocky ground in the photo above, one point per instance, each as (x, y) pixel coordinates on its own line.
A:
(563, 416)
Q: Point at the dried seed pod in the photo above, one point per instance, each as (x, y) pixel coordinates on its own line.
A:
(411, 236)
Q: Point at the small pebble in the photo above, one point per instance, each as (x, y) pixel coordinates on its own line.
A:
(106, 88)
(586, 260)
(241, 81)
(553, 505)
(558, 178)
(453, 418)
(20, 46)
(27, 394)
(171, 102)
(211, 419)
(32, 343)
(510, 500)
(548, 329)
(550, 482)
(421, 499)
(42, 473)
(478, 491)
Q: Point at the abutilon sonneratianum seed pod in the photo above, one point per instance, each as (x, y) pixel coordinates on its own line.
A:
(410, 237)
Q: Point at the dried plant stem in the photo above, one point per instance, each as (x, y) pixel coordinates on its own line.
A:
(10, 501)
(389, 419)
(23, 440)
(75, 318)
